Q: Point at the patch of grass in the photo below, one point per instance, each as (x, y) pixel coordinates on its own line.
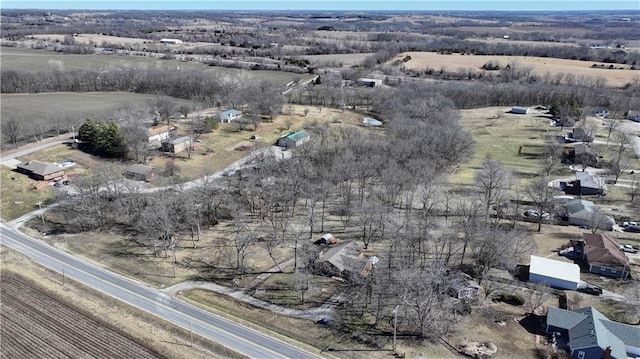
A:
(19, 196)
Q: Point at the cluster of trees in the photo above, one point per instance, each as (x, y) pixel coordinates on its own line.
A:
(103, 138)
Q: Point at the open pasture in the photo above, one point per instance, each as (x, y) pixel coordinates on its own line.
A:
(81, 105)
(542, 66)
(20, 59)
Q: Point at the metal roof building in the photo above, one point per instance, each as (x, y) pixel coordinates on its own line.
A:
(556, 274)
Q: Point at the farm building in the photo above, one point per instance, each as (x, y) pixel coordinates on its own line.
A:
(230, 115)
(556, 274)
(371, 121)
(294, 139)
(177, 145)
(41, 171)
(633, 116)
(170, 41)
(157, 134)
(590, 334)
(520, 110)
(603, 255)
(140, 172)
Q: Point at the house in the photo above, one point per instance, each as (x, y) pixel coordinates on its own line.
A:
(369, 82)
(578, 134)
(633, 116)
(177, 145)
(520, 110)
(157, 134)
(230, 115)
(170, 41)
(602, 254)
(580, 212)
(140, 172)
(556, 274)
(463, 286)
(601, 112)
(342, 257)
(591, 335)
(371, 121)
(294, 139)
(41, 171)
(585, 184)
(580, 154)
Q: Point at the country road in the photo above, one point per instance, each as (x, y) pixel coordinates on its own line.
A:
(232, 335)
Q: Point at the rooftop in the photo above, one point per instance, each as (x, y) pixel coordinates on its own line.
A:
(39, 168)
(604, 250)
(555, 269)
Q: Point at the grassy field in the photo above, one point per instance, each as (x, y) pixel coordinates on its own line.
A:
(33, 107)
(37, 60)
(541, 65)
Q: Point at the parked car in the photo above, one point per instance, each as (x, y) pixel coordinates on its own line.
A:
(627, 224)
(632, 229)
(536, 214)
(589, 289)
(628, 248)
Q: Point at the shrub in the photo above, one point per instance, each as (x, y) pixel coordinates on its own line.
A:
(512, 299)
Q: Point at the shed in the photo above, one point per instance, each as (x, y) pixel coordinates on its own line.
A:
(463, 286)
(177, 145)
(140, 172)
(556, 274)
(370, 82)
(520, 110)
(294, 139)
(371, 121)
(230, 115)
(170, 41)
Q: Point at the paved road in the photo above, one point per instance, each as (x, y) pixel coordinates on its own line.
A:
(232, 335)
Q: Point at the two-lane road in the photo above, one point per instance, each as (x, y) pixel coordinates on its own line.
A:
(232, 335)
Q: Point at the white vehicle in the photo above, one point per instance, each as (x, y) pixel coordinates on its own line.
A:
(628, 248)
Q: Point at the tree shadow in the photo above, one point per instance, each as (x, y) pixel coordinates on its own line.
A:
(533, 323)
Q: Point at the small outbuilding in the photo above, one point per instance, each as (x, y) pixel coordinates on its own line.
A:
(369, 82)
(556, 274)
(371, 121)
(177, 145)
(170, 41)
(230, 115)
(520, 110)
(140, 172)
(294, 139)
(464, 287)
(633, 116)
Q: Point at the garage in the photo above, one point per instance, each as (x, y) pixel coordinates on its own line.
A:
(556, 274)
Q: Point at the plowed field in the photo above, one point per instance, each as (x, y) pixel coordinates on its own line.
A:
(35, 325)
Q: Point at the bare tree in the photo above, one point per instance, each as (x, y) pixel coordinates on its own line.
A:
(184, 109)
(11, 130)
(634, 191)
(164, 107)
(538, 296)
(611, 124)
(493, 180)
(551, 157)
(541, 195)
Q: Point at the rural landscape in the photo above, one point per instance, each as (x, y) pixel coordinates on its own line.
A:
(320, 184)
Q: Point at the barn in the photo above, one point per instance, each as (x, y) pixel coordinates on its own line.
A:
(556, 274)
(294, 139)
(520, 110)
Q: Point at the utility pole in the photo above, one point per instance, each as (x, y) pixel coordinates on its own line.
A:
(395, 326)
(191, 332)
(39, 204)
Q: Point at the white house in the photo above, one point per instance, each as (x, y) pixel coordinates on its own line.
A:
(157, 134)
(371, 121)
(230, 115)
(170, 41)
(554, 273)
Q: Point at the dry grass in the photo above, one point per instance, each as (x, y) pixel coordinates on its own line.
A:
(541, 65)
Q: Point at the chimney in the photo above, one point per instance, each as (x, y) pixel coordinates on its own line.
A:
(607, 353)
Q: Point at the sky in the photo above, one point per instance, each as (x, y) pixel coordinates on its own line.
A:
(409, 5)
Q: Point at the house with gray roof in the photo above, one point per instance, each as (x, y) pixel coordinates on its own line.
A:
(580, 212)
(591, 335)
(585, 184)
(342, 257)
(230, 115)
(139, 172)
(294, 139)
(41, 171)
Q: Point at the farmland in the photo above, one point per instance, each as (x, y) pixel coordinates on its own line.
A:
(38, 326)
(543, 67)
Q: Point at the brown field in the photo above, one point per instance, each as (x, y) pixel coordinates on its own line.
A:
(541, 66)
(347, 60)
(96, 38)
(36, 325)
